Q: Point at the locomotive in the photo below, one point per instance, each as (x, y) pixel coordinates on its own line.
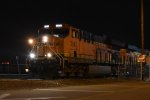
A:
(61, 50)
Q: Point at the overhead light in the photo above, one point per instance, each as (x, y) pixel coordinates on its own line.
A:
(58, 25)
(46, 26)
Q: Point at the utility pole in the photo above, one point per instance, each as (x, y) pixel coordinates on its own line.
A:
(142, 36)
(142, 27)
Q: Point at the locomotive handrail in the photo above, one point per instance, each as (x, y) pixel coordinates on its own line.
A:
(62, 59)
(59, 56)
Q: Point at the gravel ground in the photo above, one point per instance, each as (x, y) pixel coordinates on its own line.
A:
(8, 84)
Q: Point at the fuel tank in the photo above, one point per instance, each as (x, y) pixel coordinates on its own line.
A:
(98, 70)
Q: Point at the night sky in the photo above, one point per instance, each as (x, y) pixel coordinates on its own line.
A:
(119, 19)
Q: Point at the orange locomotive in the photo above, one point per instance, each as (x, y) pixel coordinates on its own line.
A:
(63, 50)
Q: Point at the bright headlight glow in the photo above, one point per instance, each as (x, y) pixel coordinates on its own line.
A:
(32, 55)
(45, 39)
(30, 41)
(49, 55)
(26, 70)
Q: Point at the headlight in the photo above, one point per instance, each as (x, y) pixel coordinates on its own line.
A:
(30, 41)
(32, 55)
(27, 70)
(49, 55)
(45, 39)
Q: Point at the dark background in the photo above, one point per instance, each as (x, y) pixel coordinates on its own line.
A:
(20, 19)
